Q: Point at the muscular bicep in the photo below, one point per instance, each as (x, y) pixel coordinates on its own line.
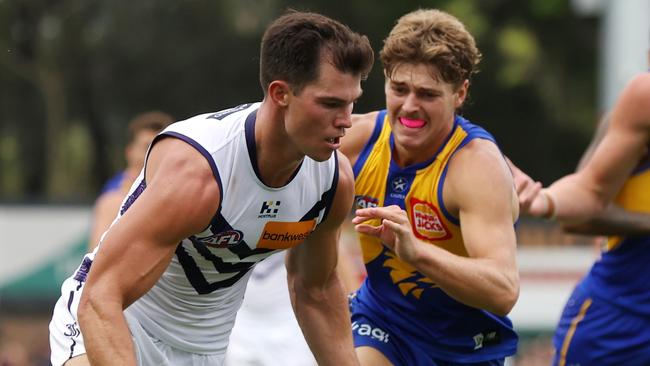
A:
(624, 143)
(315, 259)
(180, 197)
(480, 189)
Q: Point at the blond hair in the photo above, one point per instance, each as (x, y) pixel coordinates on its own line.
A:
(433, 37)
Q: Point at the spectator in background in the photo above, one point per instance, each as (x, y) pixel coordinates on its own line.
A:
(13, 353)
(142, 129)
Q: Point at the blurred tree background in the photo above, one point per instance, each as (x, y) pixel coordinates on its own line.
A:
(73, 72)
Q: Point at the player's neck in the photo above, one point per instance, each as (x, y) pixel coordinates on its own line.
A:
(277, 159)
(406, 156)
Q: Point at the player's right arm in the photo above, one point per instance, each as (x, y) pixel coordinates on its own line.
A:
(180, 199)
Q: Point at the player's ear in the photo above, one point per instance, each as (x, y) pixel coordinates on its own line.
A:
(279, 92)
(461, 93)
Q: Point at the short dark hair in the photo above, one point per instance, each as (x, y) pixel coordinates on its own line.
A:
(155, 121)
(293, 44)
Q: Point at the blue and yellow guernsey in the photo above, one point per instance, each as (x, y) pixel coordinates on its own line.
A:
(621, 275)
(398, 294)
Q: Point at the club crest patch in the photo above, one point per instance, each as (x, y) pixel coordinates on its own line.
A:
(426, 221)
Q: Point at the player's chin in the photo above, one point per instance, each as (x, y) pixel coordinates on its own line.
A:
(412, 141)
(321, 156)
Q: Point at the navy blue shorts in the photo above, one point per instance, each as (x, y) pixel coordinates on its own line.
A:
(397, 347)
(594, 332)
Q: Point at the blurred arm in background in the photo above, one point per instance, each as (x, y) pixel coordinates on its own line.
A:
(613, 220)
(142, 129)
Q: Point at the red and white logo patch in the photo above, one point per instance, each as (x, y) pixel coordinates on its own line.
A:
(426, 221)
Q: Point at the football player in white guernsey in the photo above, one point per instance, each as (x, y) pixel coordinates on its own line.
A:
(220, 192)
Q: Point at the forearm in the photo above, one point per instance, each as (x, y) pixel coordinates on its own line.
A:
(613, 221)
(574, 201)
(481, 283)
(324, 318)
(106, 334)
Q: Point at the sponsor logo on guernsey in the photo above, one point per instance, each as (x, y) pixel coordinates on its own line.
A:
(269, 209)
(366, 330)
(283, 235)
(426, 221)
(365, 201)
(223, 239)
(226, 112)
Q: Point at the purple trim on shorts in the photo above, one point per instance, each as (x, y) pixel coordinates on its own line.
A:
(72, 349)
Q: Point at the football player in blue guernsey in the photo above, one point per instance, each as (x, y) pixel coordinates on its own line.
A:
(436, 207)
(606, 321)
(220, 192)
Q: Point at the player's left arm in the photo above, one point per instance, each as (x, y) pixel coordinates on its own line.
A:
(317, 294)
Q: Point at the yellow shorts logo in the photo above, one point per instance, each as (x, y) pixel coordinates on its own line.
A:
(283, 235)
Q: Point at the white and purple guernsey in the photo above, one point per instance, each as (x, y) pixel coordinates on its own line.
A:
(192, 307)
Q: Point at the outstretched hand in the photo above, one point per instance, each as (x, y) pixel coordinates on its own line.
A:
(532, 200)
(394, 231)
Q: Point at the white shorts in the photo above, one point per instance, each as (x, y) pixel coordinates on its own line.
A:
(266, 331)
(65, 337)
(66, 340)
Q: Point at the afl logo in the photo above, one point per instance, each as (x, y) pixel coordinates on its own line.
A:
(223, 239)
(365, 201)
